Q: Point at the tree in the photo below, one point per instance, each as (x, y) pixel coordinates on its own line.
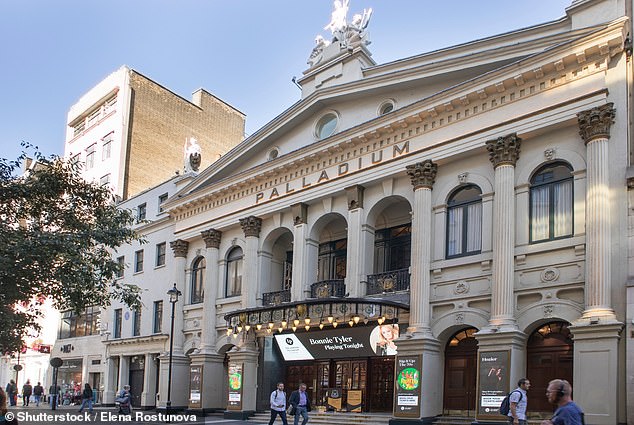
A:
(57, 236)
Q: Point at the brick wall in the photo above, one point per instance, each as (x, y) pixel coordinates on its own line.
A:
(160, 123)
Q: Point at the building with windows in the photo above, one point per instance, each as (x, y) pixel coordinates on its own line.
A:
(120, 128)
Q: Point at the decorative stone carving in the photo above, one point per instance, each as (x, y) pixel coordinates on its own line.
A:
(212, 238)
(549, 154)
(300, 213)
(462, 287)
(459, 318)
(423, 174)
(550, 274)
(595, 123)
(251, 226)
(355, 197)
(548, 310)
(504, 150)
(462, 177)
(179, 247)
(192, 155)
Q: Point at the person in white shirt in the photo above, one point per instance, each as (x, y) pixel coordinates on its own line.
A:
(278, 404)
(519, 403)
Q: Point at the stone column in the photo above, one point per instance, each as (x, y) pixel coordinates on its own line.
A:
(503, 153)
(300, 229)
(356, 256)
(148, 396)
(110, 384)
(594, 128)
(179, 248)
(124, 371)
(423, 176)
(250, 285)
(208, 338)
(246, 354)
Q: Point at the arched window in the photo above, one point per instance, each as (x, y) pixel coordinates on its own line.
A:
(233, 285)
(198, 274)
(551, 203)
(464, 222)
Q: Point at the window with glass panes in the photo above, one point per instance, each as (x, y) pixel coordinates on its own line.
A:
(136, 322)
(331, 263)
(198, 274)
(121, 268)
(75, 325)
(118, 316)
(392, 248)
(233, 284)
(160, 254)
(464, 222)
(158, 316)
(138, 261)
(551, 203)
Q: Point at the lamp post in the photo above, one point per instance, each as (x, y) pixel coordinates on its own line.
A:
(173, 293)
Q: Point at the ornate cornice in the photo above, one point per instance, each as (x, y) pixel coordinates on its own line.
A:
(179, 247)
(423, 174)
(251, 226)
(504, 150)
(595, 123)
(212, 238)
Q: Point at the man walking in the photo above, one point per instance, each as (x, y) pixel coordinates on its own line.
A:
(568, 412)
(518, 403)
(38, 390)
(27, 390)
(301, 404)
(278, 404)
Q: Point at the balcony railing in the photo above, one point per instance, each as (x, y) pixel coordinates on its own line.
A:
(328, 288)
(392, 281)
(276, 298)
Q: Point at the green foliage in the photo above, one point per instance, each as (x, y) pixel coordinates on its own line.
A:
(57, 233)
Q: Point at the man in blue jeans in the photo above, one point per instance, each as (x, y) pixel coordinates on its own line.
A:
(301, 404)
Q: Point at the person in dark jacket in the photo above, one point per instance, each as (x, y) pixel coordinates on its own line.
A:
(38, 392)
(6, 417)
(301, 404)
(12, 392)
(27, 391)
(86, 398)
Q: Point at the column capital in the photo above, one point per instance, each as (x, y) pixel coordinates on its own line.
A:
(179, 247)
(355, 196)
(595, 123)
(212, 238)
(504, 150)
(300, 213)
(251, 226)
(423, 174)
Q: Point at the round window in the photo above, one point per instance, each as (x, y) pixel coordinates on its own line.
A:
(273, 153)
(326, 126)
(386, 107)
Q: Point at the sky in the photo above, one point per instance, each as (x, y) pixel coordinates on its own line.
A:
(245, 52)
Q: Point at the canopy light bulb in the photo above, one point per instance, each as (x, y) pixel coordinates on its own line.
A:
(294, 328)
(258, 326)
(334, 324)
(321, 325)
(271, 325)
(239, 328)
(284, 323)
(330, 319)
(356, 319)
(229, 331)
(351, 322)
(247, 327)
(307, 320)
(268, 330)
(296, 322)
(280, 329)
(307, 327)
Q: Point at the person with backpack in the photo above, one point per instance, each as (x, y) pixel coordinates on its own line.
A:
(38, 391)
(568, 412)
(27, 390)
(515, 403)
(278, 404)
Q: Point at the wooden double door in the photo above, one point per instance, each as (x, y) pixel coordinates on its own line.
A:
(324, 376)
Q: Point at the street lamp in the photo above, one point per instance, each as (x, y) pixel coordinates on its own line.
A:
(173, 293)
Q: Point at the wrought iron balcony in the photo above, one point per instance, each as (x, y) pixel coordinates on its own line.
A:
(276, 298)
(328, 288)
(392, 281)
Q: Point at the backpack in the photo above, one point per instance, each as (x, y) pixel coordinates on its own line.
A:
(505, 407)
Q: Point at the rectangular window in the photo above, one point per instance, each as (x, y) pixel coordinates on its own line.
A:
(160, 254)
(106, 148)
(90, 157)
(105, 180)
(121, 264)
(77, 325)
(118, 316)
(109, 105)
(141, 212)
(93, 117)
(138, 261)
(158, 316)
(79, 128)
(162, 199)
(136, 322)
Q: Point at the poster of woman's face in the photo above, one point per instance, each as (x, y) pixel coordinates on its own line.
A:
(382, 339)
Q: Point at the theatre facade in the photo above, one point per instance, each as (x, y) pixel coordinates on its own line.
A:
(414, 237)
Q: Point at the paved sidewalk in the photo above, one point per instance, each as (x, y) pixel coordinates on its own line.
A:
(43, 415)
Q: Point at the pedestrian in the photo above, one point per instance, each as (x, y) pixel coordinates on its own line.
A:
(4, 416)
(12, 392)
(568, 412)
(301, 404)
(27, 390)
(86, 398)
(124, 399)
(278, 404)
(38, 392)
(53, 395)
(518, 403)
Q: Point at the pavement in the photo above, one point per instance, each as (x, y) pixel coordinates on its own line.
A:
(44, 415)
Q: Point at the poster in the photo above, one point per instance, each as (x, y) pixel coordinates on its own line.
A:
(195, 386)
(407, 385)
(334, 398)
(493, 381)
(342, 342)
(235, 386)
(354, 400)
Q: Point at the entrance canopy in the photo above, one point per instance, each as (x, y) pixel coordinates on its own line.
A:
(316, 314)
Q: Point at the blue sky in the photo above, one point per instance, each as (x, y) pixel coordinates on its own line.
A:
(244, 52)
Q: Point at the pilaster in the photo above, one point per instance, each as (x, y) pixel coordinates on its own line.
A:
(355, 262)
(212, 239)
(179, 248)
(247, 355)
(212, 397)
(250, 287)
